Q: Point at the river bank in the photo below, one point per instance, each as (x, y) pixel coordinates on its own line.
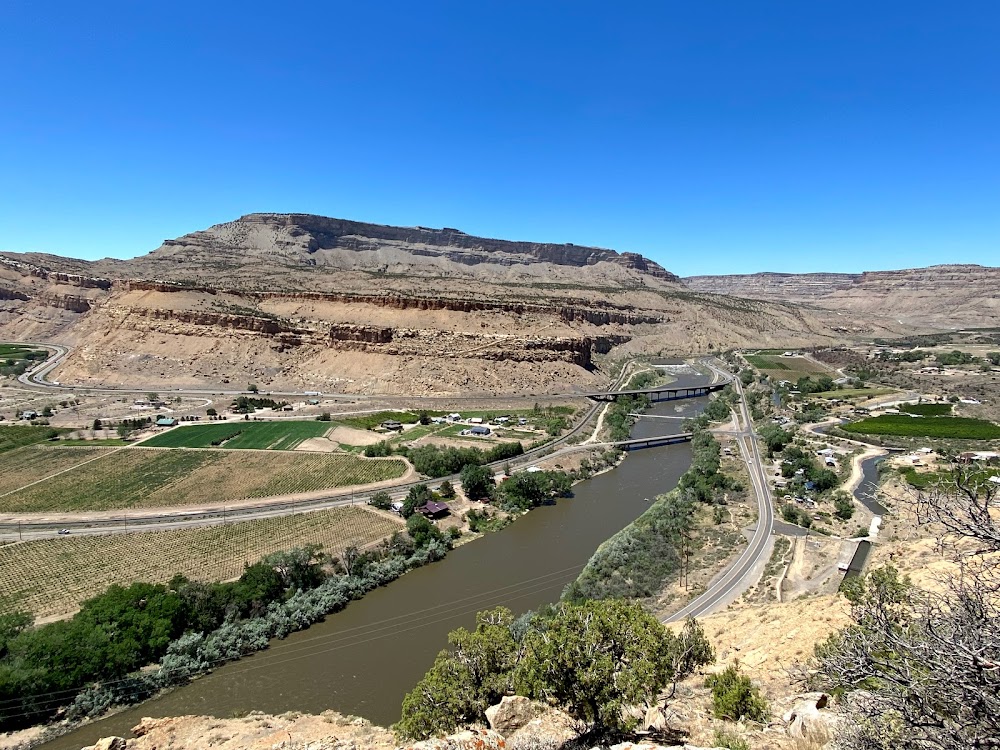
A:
(363, 660)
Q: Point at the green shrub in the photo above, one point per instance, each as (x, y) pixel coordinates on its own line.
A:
(730, 740)
(735, 697)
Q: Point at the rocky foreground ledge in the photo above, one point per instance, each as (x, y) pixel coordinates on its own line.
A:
(515, 724)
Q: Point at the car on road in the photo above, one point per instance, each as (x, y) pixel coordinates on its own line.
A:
(63, 531)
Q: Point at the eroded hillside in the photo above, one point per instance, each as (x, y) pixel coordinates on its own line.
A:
(939, 296)
(297, 301)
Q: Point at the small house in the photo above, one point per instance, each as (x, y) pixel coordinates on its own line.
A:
(392, 425)
(476, 420)
(29, 414)
(434, 509)
(454, 417)
(479, 431)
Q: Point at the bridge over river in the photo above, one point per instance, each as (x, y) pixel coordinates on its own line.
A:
(661, 392)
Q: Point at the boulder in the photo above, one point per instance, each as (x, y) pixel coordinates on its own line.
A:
(109, 743)
(549, 731)
(655, 720)
(807, 719)
(512, 713)
(469, 739)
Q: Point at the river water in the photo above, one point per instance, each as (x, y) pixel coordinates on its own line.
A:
(867, 490)
(364, 659)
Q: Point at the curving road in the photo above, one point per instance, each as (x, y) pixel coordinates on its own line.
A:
(740, 573)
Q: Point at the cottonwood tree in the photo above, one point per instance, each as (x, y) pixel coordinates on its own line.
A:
(921, 669)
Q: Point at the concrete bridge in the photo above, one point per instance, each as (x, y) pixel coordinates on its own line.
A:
(653, 442)
(661, 393)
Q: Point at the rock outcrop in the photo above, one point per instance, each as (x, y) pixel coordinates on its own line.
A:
(309, 239)
(946, 295)
(300, 302)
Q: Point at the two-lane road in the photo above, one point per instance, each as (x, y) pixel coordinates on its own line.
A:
(742, 572)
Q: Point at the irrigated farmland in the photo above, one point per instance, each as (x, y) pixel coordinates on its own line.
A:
(32, 463)
(151, 478)
(903, 425)
(15, 436)
(787, 368)
(242, 434)
(53, 576)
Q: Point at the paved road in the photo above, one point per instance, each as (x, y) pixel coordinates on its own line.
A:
(44, 526)
(735, 577)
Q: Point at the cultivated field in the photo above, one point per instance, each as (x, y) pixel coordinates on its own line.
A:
(53, 576)
(959, 428)
(243, 434)
(787, 368)
(15, 436)
(150, 478)
(22, 466)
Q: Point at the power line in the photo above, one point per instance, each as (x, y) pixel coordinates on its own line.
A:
(449, 609)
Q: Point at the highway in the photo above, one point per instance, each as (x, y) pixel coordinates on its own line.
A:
(735, 577)
(45, 525)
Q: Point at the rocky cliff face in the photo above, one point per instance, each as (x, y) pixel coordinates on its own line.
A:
(306, 302)
(320, 241)
(942, 296)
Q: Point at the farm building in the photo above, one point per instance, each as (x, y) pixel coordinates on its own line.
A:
(434, 509)
(391, 424)
(479, 431)
(166, 422)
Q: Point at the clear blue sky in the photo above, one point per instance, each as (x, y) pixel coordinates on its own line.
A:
(713, 137)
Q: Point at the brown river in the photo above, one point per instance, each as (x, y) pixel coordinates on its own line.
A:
(363, 659)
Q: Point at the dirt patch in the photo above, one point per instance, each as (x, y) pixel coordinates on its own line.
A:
(318, 445)
(352, 436)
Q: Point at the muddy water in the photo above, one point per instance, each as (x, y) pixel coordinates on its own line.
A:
(364, 659)
(868, 489)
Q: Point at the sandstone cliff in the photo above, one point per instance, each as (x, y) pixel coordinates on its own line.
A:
(306, 302)
(939, 296)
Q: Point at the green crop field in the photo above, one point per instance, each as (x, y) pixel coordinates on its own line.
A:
(764, 362)
(977, 478)
(21, 351)
(17, 436)
(53, 576)
(242, 434)
(30, 463)
(959, 428)
(151, 478)
(787, 368)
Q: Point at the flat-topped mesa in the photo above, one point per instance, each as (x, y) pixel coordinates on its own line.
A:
(307, 236)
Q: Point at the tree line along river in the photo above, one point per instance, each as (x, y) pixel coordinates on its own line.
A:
(364, 659)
